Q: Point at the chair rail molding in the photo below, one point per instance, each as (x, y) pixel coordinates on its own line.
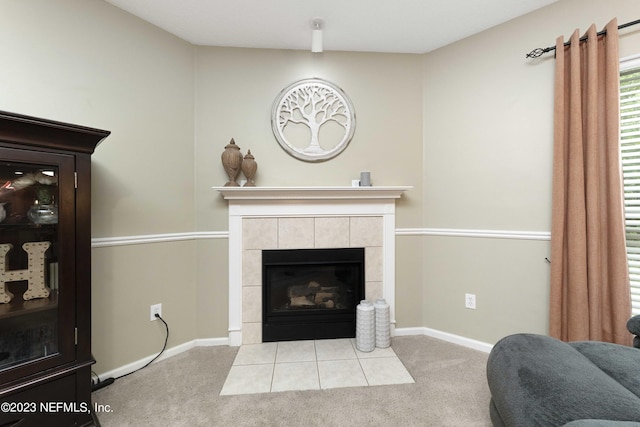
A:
(101, 242)
(479, 233)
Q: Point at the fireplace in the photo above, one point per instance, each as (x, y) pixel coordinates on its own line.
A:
(311, 293)
(283, 218)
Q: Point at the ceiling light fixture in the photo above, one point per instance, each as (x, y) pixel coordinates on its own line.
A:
(317, 25)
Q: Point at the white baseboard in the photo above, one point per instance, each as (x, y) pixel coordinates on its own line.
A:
(128, 368)
(210, 342)
(445, 336)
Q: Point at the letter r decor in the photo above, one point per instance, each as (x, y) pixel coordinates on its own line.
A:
(34, 274)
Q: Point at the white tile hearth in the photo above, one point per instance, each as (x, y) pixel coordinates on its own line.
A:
(256, 354)
(248, 379)
(384, 371)
(341, 373)
(335, 349)
(295, 376)
(296, 351)
(311, 365)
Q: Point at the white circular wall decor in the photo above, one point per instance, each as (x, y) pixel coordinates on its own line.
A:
(313, 120)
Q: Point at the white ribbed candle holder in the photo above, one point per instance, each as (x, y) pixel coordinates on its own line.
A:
(365, 326)
(383, 321)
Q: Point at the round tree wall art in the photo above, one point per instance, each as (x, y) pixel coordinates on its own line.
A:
(313, 120)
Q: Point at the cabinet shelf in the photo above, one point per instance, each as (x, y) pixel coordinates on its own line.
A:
(19, 307)
(26, 226)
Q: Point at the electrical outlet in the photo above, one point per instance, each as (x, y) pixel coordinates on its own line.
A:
(470, 301)
(155, 308)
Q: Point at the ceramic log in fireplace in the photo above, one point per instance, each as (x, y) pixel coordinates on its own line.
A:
(311, 293)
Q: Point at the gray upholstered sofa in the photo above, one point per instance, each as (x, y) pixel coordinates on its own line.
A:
(536, 380)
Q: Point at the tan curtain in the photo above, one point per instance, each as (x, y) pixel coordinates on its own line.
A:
(590, 292)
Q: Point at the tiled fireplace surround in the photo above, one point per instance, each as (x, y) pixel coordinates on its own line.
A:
(305, 218)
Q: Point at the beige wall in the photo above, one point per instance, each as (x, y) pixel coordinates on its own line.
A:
(87, 62)
(126, 281)
(488, 115)
(235, 89)
(468, 125)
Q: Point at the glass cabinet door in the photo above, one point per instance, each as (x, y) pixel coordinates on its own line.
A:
(36, 260)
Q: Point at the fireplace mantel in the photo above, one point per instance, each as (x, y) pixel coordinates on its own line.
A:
(273, 218)
(311, 193)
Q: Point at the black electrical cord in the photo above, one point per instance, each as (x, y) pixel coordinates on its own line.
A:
(109, 381)
(158, 355)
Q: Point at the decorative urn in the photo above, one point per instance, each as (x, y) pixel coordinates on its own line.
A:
(249, 168)
(232, 161)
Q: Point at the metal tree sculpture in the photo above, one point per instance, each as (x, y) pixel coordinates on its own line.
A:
(313, 103)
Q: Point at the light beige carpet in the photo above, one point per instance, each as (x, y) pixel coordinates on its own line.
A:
(450, 390)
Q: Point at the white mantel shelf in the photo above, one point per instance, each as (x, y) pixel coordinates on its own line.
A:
(312, 193)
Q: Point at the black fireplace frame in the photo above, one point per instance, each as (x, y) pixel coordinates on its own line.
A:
(311, 324)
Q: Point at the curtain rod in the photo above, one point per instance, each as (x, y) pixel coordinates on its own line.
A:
(540, 51)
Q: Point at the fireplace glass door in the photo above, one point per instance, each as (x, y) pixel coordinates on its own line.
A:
(311, 293)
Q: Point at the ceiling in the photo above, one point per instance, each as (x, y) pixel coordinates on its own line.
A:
(403, 26)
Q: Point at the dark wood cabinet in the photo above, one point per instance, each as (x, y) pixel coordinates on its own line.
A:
(45, 271)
